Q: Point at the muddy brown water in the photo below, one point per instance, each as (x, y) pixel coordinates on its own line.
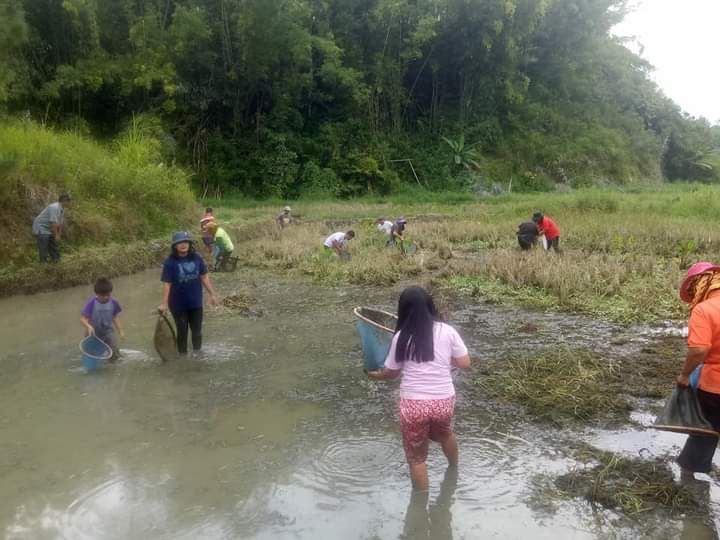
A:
(275, 433)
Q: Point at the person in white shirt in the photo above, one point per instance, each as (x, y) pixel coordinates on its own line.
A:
(384, 226)
(338, 242)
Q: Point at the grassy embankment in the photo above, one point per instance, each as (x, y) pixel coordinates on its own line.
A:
(623, 252)
(124, 196)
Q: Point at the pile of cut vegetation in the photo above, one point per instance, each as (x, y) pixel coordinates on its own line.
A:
(557, 385)
(240, 302)
(631, 485)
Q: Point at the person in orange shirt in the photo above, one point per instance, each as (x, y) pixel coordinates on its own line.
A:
(547, 226)
(701, 289)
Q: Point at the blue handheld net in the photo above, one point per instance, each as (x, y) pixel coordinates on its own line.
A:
(94, 347)
(376, 330)
(94, 352)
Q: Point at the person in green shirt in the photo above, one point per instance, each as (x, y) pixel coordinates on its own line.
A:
(223, 246)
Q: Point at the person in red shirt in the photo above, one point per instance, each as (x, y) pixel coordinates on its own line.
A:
(548, 227)
(701, 289)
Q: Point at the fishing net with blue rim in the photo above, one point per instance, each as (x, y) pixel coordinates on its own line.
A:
(376, 328)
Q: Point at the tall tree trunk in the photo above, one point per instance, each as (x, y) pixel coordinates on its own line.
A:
(434, 101)
(226, 41)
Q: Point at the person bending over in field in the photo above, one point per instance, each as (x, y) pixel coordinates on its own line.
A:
(338, 242)
(548, 227)
(397, 234)
(48, 228)
(527, 235)
(207, 238)
(284, 218)
(222, 244)
(385, 227)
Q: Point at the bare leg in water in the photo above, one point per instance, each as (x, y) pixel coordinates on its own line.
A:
(418, 471)
(450, 448)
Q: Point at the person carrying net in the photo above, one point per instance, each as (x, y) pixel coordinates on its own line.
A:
(184, 275)
(422, 354)
(701, 290)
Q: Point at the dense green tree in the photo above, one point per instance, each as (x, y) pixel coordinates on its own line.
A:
(13, 34)
(281, 97)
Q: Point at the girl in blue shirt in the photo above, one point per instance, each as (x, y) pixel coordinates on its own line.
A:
(184, 275)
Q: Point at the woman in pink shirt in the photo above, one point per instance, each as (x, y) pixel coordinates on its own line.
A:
(423, 352)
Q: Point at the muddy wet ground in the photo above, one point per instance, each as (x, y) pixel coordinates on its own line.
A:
(275, 433)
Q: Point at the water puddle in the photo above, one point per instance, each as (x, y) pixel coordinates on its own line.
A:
(275, 433)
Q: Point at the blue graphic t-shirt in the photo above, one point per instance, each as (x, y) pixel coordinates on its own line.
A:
(183, 274)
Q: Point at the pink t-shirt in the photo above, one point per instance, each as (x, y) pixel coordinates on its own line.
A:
(429, 380)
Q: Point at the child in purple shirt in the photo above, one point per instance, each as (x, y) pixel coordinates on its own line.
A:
(423, 353)
(100, 315)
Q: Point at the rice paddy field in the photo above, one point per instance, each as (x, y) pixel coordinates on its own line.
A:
(276, 433)
(623, 252)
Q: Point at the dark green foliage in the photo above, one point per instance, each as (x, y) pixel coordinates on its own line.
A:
(279, 98)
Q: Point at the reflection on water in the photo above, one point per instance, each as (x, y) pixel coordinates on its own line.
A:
(274, 433)
(431, 521)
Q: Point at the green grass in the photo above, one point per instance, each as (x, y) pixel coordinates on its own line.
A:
(122, 192)
(624, 252)
(563, 386)
(409, 197)
(557, 385)
(83, 266)
(495, 291)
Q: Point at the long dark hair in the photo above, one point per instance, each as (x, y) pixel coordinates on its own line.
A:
(416, 315)
(190, 253)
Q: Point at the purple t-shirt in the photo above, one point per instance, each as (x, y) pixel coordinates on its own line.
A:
(88, 309)
(429, 380)
(101, 315)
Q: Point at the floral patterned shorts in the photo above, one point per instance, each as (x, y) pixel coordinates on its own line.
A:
(422, 420)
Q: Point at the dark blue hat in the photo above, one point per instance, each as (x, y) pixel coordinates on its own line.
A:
(181, 236)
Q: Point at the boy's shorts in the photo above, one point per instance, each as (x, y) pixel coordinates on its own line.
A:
(422, 420)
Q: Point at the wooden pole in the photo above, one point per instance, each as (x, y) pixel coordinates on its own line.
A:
(409, 161)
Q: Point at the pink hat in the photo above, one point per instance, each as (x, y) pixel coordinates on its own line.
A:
(694, 271)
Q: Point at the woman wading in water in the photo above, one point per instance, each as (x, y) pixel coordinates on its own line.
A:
(701, 289)
(423, 352)
(184, 275)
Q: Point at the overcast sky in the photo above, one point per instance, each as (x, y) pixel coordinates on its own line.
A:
(681, 38)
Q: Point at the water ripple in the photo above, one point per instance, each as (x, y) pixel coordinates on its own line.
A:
(354, 465)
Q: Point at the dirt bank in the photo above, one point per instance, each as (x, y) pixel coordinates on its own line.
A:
(82, 266)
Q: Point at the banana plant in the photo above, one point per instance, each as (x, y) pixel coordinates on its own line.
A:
(464, 155)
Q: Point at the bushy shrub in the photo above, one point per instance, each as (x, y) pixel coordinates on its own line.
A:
(319, 182)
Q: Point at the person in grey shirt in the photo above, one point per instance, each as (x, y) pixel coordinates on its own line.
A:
(48, 227)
